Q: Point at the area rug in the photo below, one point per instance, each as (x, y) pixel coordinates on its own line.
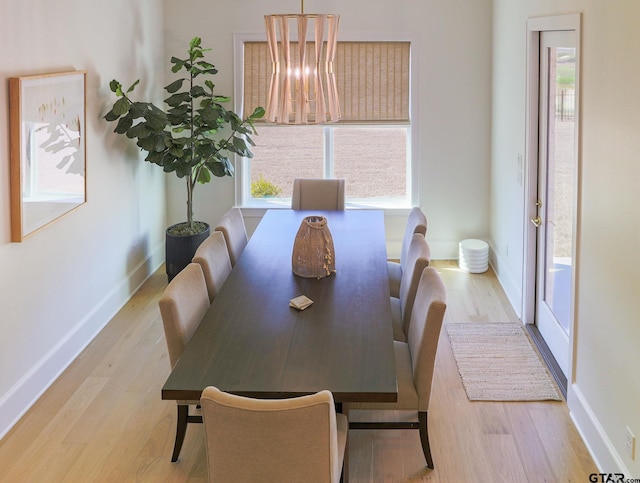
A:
(497, 362)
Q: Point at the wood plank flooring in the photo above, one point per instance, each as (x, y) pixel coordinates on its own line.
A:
(103, 419)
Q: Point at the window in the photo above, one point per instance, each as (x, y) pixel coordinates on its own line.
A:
(370, 146)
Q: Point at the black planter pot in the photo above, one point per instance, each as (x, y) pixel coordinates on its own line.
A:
(179, 250)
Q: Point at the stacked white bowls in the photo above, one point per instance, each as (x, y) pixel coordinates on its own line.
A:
(473, 256)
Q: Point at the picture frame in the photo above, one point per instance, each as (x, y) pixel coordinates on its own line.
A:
(47, 138)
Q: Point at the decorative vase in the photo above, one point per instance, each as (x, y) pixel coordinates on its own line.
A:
(313, 253)
(179, 250)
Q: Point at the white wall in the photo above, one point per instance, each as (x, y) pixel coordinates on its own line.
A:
(59, 287)
(453, 45)
(605, 393)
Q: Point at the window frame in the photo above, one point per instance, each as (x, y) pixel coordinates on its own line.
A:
(243, 197)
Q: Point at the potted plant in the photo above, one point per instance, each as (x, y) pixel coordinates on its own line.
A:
(193, 137)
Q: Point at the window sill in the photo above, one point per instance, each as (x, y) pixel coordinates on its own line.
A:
(259, 207)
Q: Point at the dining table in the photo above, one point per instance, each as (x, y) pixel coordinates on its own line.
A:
(251, 342)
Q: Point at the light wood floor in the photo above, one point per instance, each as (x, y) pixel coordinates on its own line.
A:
(103, 419)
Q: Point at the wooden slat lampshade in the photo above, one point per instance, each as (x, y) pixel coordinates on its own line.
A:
(303, 87)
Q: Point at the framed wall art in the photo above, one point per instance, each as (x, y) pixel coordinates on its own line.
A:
(47, 149)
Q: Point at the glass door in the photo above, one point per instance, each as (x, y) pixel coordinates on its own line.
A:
(555, 201)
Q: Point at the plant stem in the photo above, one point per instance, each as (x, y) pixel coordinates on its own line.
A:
(190, 180)
(189, 202)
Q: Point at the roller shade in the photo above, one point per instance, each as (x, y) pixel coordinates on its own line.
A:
(373, 80)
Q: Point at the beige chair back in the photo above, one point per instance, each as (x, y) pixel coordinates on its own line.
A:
(182, 307)
(235, 233)
(273, 440)
(318, 194)
(213, 257)
(424, 332)
(418, 257)
(416, 223)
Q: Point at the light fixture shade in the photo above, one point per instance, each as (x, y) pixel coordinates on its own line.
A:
(303, 86)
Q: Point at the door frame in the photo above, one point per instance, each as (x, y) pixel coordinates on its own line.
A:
(535, 25)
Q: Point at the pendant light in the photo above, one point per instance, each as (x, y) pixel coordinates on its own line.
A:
(303, 85)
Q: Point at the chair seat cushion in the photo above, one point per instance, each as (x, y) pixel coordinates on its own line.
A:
(395, 275)
(407, 395)
(396, 320)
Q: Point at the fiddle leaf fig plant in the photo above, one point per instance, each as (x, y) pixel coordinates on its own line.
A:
(194, 135)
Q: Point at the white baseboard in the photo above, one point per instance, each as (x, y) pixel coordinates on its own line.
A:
(512, 290)
(593, 434)
(17, 401)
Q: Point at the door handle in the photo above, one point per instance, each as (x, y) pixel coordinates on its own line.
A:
(537, 221)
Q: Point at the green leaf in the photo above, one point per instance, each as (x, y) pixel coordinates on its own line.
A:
(123, 125)
(217, 168)
(140, 130)
(179, 115)
(198, 91)
(240, 145)
(133, 86)
(197, 54)
(149, 143)
(207, 67)
(156, 119)
(180, 110)
(177, 99)
(168, 166)
(211, 116)
(121, 106)
(195, 43)
(220, 167)
(174, 86)
(154, 157)
(111, 116)
(205, 150)
(236, 122)
(114, 85)
(204, 176)
(177, 64)
(182, 170)
(203, 64)
(258, 113)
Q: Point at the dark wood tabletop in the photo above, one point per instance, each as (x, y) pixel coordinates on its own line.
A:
(253, 344)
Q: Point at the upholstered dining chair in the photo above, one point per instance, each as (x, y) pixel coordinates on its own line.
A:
(273, 440)
(416, 223)
(318, 194)
(415, 363)
(417, 259)
(182, 307)
(235, 233)
(213, 257)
